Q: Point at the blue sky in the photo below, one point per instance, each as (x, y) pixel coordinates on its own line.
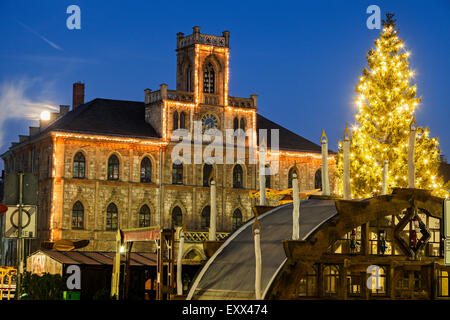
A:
(303, 59)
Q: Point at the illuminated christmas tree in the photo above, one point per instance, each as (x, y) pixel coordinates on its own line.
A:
(387, 101)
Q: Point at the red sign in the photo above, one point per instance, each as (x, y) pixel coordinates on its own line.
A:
(3, 208)
(144, 234)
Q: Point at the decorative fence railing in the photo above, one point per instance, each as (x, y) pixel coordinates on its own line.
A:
(198, 236)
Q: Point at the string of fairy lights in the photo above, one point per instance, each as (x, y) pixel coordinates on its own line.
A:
(386, 104)
(166, 104)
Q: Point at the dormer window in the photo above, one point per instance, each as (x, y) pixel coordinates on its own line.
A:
(208, 79)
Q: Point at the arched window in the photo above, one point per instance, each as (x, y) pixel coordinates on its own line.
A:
(146, 170)
(112, 217)
(177, 173)
(182, 120)
(144, 216)
(79, 165)
(206, 214)
(237, 219)
(267, 176)
(381, 287)
(78, 215)
(238, 177)
(318, 179)
(113, 168)
(331, 279)
(177, 217)
(208, 79)
(235, 124)
(175, 120)
(242, 124)
(189, 80)
(207, 170)
(290, 174)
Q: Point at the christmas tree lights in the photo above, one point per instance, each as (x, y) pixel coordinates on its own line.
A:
(386, 103)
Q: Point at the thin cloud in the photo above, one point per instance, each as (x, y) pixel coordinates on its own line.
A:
(15, 103)
(54, 45)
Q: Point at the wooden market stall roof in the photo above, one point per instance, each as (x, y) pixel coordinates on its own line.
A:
(98, 257)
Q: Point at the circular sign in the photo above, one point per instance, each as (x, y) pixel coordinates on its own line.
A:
(15, 218)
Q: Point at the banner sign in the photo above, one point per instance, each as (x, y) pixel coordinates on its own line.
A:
(141, 234)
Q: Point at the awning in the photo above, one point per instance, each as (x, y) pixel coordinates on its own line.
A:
(97, 258)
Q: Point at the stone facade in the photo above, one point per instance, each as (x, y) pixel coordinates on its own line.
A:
(52, 157)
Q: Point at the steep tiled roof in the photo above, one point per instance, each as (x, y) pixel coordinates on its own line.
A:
(288, 139)
(106, 117)
(127, 119)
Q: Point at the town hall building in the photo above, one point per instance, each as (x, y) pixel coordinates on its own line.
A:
(106, 164)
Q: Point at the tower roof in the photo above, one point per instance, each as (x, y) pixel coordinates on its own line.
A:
(200, 38)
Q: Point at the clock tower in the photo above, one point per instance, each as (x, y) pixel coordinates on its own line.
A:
(202, 66)
(201, 94)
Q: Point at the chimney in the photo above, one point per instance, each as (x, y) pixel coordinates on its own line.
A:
(78, 94)
(63, 109)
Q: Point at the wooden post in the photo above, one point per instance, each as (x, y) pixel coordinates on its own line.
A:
(343, 280)
(212, 224)
(115, 278)
(392, 282)
(258, 263)
(296, 209)
(325, 180)
(365, 239)
(347, 188)
(262, 173)
(385, 178)
(411, 146)
(320, 283)
(126, 272)
(180, 265)
(159, 266)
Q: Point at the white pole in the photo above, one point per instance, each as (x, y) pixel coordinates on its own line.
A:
(258, 264)
(347, 191)
(262, 175)
(212, 224)
(296, 209)
(385, 178)
(411, 146)
(325, 180)
(180, 265)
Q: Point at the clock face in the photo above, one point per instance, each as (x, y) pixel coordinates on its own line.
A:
(209, 121)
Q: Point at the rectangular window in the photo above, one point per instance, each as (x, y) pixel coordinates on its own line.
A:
(443, 283)
(354, 284)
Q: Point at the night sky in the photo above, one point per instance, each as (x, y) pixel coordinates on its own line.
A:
(303, 59)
